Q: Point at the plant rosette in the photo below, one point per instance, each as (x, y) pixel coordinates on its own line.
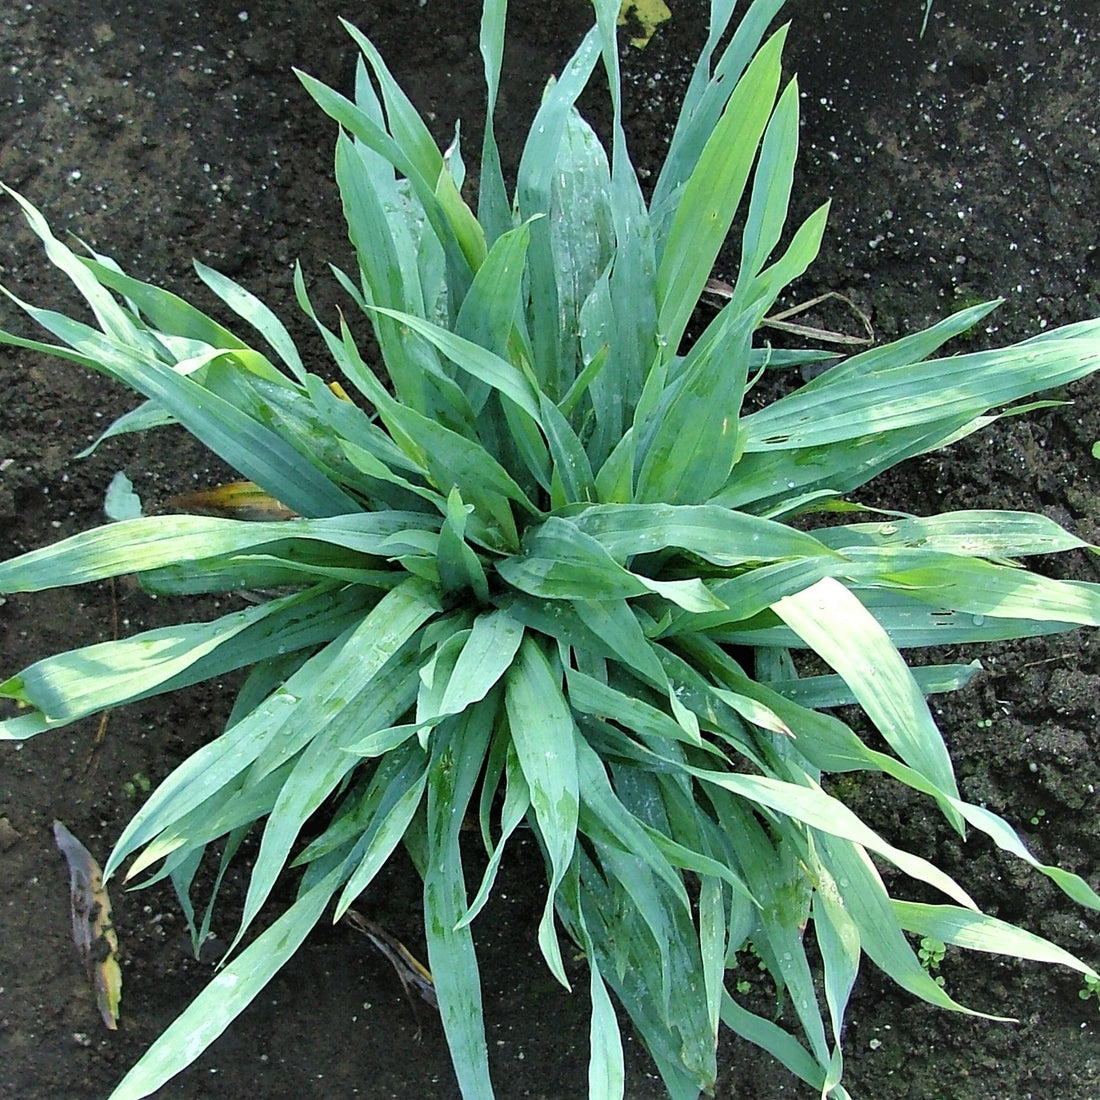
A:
(545, 569)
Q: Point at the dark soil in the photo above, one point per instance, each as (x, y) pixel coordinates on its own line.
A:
(961, 166)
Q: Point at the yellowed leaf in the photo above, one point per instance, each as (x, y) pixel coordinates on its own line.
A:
(233, 500)
(93, 932)
(649, 14)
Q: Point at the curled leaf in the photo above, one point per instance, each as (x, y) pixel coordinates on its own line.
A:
(93, 931)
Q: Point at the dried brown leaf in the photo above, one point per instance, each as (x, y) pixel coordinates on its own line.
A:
(93, 932)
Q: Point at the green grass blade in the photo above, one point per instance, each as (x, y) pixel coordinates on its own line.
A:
(606, 1070)
(561, 562)
(713, 192)
(227, 995)
(582, 236)
(486, 654)
(117, 324)
(771, 189)
(977, 587)
(769, 1036)
(978, 932)
(493, 211)
(603, 812)
(458, 752)
(880, 931)
(633, 283)
(819, 810)
(249, 308)
(822, 692)
(165, 310)
(517, 801)
(839, 943)
(373, 135)
(534, 183)
(492, 306)
(694, 445)
(146, 416)
(546, 744)
(708, 94)
(287, 720)
(372, 702)
(410, 134)
(260, 454)
(475, 360)
(909, 349)
(400, 801)
(571, 475)
(800, 253)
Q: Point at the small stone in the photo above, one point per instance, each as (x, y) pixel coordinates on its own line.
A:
(9, 837)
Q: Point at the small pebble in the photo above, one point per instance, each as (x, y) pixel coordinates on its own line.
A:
(8, 835)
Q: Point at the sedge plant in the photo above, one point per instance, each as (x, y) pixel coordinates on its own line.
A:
(546, 570)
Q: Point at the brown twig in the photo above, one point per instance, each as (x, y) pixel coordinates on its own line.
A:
(779, 321)
(92, 763)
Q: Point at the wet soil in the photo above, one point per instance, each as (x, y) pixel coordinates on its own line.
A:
(961, 166)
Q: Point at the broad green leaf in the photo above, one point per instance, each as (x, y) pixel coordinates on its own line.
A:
(719, 535)
(839, 943)
(988, 534)
(821, 692)
(922, 393)
(83, 681)
(909, 349)
(165, 310)
(486, 654)
(460, 569)
(845, 634)
(581, 230)
(978, 587)
(561, 562)
(492, 305)
(571, 475)
(138, 545)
